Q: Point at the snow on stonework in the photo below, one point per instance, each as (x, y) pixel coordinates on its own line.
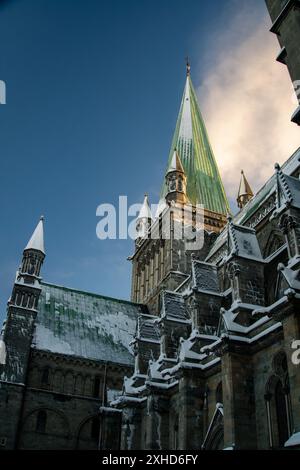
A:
(86, 325)
(2, 352)
(294, 440)
(205, 276)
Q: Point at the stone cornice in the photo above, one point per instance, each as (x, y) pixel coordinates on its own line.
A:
(283, 14)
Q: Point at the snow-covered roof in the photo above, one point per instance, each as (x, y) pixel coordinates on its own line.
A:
(174, 307)
(148, 329)
(85, 325)
(205, 276)
(36, 241)
(243, 242)
(294, 440)
(269, 189)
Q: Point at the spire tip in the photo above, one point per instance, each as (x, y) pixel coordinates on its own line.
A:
(188, 66)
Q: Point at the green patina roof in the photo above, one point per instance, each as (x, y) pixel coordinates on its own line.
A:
(85, 325)
(204, 184)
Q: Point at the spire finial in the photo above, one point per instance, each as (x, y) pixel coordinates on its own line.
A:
(188, 66)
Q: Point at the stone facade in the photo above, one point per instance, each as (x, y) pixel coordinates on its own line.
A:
(221, 373)
(62, 363)
(204, 356)
(285, 16)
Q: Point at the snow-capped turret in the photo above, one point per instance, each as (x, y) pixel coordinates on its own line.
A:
(144, 219)
(36, 241)
(176, 181)
(34, 252)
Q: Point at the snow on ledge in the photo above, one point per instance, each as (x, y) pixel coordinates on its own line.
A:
(294, 440)
(2, 352)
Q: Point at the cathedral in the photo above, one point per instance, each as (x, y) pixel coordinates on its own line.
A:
(204, 356)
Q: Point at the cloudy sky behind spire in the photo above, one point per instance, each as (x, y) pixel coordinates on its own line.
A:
(93, 92)
(247, 99)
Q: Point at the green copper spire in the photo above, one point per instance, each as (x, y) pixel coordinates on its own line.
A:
(204, 184)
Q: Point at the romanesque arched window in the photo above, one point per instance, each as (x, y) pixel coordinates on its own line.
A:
(41, 421)
(45, 376)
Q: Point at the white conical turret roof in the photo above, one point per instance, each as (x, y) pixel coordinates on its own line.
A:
(145, 212)
(36, 241)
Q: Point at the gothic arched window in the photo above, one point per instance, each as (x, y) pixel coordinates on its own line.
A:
(275, 241)
(281, 414)
(278, 403)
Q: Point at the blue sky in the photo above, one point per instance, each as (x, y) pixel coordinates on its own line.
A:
(93, 91)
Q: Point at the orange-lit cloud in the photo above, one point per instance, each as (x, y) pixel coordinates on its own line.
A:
(247, 102)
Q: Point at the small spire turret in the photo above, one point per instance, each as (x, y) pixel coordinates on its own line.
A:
(144, 219)
(245, 192)
(176, 181)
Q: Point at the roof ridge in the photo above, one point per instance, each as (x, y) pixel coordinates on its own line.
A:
(79, 291)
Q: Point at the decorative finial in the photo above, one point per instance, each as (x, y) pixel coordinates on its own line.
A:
(42, 218)
(277, 166)
(242, 172)
(188, 66)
